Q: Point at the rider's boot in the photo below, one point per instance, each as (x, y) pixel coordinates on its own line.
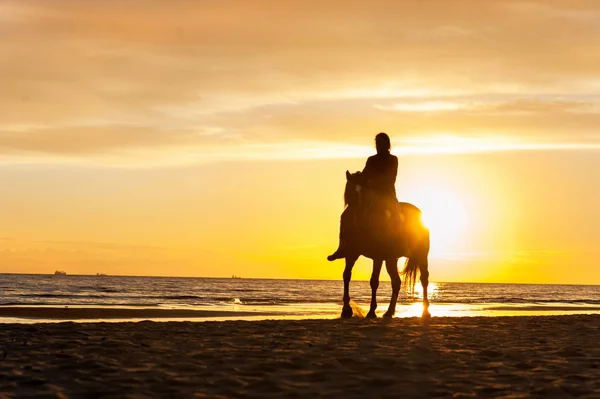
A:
(339, 253)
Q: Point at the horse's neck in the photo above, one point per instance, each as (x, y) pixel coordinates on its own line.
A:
(366, 201)
(355, 205)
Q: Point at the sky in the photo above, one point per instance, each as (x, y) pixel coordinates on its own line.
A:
(211, 138)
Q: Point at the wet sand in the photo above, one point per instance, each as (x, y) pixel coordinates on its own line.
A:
(446, 357)
(79, 313)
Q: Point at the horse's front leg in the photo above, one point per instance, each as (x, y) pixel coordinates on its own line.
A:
(425, 283)
(346, 309)
(377, 263)
(391, 266)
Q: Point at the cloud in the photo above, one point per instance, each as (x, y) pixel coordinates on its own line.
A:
(424, 106)
(107, 81)
(84, 257)
(98, 246)
(90, 140)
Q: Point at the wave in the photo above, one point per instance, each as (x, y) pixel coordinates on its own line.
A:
(61, 296)
(178, 297)
(124, 304)
(543, 308)
(273, 300)
(515, 301)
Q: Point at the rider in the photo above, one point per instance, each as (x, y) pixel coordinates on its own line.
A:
(380, 177)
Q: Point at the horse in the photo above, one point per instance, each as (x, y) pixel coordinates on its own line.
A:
(362, 243)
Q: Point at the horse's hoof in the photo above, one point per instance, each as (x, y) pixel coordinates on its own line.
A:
(346, 313)
(426, 314)
(371, 315)
(388, 315)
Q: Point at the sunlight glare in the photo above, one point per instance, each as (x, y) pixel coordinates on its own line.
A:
(443, 214)
(431, 290)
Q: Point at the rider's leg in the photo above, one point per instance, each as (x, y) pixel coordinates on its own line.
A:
(393, 230)
(401, 233)
(344, 225)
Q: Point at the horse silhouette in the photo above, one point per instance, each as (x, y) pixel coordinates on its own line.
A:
(366, 241)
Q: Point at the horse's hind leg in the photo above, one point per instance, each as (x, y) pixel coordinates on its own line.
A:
(424, 268)
(377, 263)
(346, 309)
(392, 269)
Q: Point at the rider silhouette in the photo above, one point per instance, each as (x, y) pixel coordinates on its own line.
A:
(379, 176)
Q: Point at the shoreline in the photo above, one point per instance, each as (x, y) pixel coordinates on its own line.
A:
(95, 313)
(524, 356)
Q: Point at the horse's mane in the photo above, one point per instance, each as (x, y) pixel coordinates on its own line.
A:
(348, 191)
(346, 194)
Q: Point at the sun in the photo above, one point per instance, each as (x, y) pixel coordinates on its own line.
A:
(443, 213)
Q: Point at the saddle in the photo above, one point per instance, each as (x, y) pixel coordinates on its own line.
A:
(380, 223)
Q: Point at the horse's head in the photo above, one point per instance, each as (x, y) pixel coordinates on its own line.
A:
(353, 194)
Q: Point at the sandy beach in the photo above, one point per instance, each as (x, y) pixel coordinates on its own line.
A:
(81, 313)
(508, 357)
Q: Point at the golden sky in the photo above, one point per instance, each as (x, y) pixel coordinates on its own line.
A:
(210, 138)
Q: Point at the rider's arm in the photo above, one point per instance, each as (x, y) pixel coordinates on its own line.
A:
(392, 172)
(369, 171)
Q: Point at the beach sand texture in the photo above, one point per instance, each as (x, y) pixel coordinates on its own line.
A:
(80, 313)
(508, 357)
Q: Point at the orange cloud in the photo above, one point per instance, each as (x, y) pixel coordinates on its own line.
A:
(121, 81)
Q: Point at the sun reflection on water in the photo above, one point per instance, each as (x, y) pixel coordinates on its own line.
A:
(432, 291)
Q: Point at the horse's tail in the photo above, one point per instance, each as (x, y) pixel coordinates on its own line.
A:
(419, 239)
(410, 273)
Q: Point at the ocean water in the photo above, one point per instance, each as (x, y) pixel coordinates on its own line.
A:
(290, 298)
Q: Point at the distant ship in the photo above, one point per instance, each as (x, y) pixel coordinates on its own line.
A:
(100, 274)
(60, 273)
(234, 276)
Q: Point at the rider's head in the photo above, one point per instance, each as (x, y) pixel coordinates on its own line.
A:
(382, 143)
